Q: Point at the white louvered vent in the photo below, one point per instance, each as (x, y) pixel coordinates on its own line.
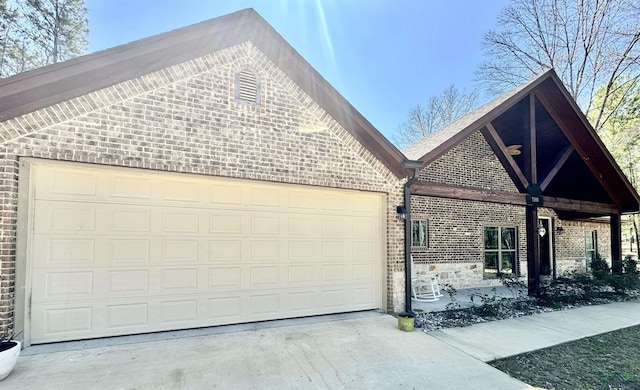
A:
(247, 87)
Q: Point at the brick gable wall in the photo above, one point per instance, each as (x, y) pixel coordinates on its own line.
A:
(186, 119)
(456, 227)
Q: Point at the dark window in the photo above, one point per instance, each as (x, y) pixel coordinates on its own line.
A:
(591, 239)
(500, 254)
(419, 237)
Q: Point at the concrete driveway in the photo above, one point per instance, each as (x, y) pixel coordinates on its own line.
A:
(357, 353)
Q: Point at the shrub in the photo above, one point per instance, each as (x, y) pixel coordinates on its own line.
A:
(630, 266)
(599, 268)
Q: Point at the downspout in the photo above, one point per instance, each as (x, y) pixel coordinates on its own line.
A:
(416, 166)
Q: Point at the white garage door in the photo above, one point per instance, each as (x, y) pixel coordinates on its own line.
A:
(117, 251)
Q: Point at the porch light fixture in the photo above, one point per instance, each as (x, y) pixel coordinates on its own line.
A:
(402, 212)
(541, 230)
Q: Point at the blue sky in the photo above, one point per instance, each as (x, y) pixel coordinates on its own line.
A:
(383, 56)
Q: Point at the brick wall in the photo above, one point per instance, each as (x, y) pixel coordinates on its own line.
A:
(472, 164)
(456, 227)
(456, 237)
(186, 119)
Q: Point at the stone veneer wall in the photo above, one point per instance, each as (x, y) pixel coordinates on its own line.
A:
(186, 119)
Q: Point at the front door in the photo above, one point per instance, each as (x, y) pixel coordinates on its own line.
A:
(545, 233)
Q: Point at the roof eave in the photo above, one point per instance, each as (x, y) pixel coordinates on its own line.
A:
(56, 83)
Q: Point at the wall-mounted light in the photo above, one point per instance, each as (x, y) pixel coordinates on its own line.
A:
(559, 229)
(402, 212)
(541, 229)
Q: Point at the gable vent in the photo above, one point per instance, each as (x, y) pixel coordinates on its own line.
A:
(247, 87)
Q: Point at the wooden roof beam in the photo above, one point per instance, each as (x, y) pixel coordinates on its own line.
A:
(503, 197)
(500, 150)
(560, 161)
(578, 146)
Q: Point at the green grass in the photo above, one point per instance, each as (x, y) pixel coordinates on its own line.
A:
(607, 361)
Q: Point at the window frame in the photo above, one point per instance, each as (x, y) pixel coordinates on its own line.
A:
(591, 253)
(423, 226)
(500, 251)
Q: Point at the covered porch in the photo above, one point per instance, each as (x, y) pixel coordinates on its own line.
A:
(552, 155)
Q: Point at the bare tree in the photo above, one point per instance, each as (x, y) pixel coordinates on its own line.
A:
(449, 105)
(589, 43)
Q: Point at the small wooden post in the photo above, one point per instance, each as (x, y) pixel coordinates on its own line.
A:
(616, 243)
(533, 250)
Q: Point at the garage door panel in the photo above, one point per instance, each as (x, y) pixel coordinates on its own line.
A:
(221, 278)
(265, 250)
(334, 273)
(301, 275)
(266, 224)
(127, 315)
(66, 252)
(185, 311)
(364, 227)
(302, 303)
(225, 194)
(130, 187)
(180, 221)
(364, 272)
(225, 223)
(334, 299)
(304, 225)
(304, 250)
(336, 202)
(64, 182)
(365, 296)
(265, 276)
(335, 250)
(69, 320)
(180, 279)
(264, 305)
(224, 309)
(127, 219)
(181, 191)
(128, 282)
(336, 227)
(269, 197)
(69, 285)
(64, 217)
(364, 250)
(303, 200)
(225, 250)
(180, 251)
(128, 251)
(137, 252)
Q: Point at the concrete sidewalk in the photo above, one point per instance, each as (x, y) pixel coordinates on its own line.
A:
(498, 339)
(362, 353)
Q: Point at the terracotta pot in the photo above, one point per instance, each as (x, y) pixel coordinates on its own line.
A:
(9, 352)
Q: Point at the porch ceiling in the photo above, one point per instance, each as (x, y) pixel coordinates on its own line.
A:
(573, 179)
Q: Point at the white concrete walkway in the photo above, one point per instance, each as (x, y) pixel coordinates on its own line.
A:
(498, 339)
